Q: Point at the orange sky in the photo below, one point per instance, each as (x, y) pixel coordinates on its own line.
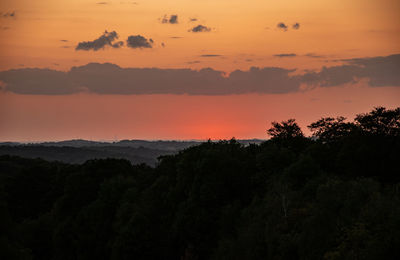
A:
(243, 33)
(111, 117)
(242, 30)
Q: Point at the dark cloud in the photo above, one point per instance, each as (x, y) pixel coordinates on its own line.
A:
(107, 39)
(285, 55)
(65, 47)
(138, 41)
(64, 41)
(173, 19)
(296, 26)
(8, 14)
(117, 44)
(112, 79)
(37, 81)
(282, 26)
(380, 71)
(5, 28)
(193, 19)
(102, 3)
(210, 55)
(200, 28)
(162, 44)
(176, 37)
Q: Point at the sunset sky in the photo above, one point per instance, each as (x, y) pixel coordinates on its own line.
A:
(190, 69)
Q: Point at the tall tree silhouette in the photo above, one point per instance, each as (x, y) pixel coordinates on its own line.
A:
(285, 130)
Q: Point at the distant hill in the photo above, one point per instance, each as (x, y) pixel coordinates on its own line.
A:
(79, 151)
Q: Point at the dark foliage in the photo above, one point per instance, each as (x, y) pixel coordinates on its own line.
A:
(334, 196)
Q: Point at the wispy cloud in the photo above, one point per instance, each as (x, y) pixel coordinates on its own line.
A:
(8, 14)
(210, 55)
(313, 55)
(193, 62)
(284, 27)
(285, 55)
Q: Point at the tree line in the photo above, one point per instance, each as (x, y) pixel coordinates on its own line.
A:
(333, 196)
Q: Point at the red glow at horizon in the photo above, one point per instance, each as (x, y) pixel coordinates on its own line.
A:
(178, 117)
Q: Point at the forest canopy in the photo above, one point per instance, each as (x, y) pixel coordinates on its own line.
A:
(335, 195)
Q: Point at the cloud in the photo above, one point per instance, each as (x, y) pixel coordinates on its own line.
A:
(176, 37)
(200, 28)
(8, 14)
(133, 3)
(379, 71)
(37, 81)
(138, 41)
(111, 79)
(210, 55)
(102, 3)
(296, 26)
(117, 44)
(173, 19)
(285, 55)
(107, 39)
(193, 19)
(313, 55)
(193, 62)
(282, 26)
(64, 41)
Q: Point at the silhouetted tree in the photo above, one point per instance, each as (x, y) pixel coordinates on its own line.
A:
(285, 130)
(330, 129)
(380, 121)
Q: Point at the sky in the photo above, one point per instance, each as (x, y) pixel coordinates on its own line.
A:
(190, 69)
